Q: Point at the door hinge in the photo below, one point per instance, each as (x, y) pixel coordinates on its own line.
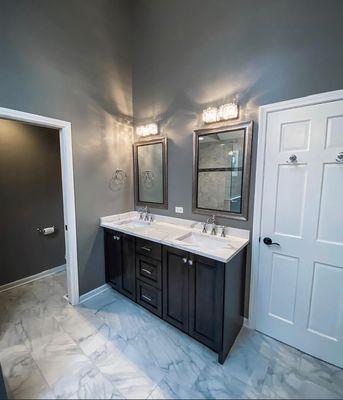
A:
(66, 227)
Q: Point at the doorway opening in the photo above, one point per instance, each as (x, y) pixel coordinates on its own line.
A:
(67, 221)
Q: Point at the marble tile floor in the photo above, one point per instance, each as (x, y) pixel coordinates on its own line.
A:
(110, 347)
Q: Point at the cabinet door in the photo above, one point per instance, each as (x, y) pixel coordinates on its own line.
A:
(175, 287)
(206, 289)
(128, 278)
(113, 257)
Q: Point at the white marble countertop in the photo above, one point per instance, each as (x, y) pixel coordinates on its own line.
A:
(169, 231)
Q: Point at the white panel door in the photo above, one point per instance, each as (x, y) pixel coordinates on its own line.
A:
(300, 283)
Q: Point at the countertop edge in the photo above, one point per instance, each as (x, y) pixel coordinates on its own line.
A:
(121, 229)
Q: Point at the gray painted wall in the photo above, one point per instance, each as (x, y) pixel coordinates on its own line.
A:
(30, 197)
(190, 54)
(72, 60)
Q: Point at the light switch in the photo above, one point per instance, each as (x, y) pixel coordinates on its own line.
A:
(179, 210)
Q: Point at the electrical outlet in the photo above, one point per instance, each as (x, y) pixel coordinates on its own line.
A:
(179, 210)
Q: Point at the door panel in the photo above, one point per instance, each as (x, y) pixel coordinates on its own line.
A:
(283, 286)
(300, 291)
(330, 228)
(175, 287)
(290, 203)
(326, 316)
(295, 136)
(334, 136)
(206, 281)
(113, 258)
(128, 278)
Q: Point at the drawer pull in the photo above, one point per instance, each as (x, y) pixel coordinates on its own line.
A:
(116, 237)
(145, 248)
(146, 297)
(147, 271)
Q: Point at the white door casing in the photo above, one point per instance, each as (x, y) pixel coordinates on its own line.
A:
(299, 292)
(64, 128)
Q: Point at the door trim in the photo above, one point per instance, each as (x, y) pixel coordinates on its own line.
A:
(264, 110)
(64, 128)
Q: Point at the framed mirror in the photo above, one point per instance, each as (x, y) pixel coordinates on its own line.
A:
(221, 170)
(150, 173)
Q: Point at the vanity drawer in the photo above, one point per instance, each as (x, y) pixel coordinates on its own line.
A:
(148, 270)
(148, 248)
(149, 297)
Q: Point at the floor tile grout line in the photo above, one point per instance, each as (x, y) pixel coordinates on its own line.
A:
(94, 366)
(29, 352)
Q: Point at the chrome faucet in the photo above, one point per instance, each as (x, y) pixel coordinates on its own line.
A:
(146, 213)
(141, 213)
(212, 220)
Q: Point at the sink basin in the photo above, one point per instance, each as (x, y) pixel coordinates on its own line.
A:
(196, 239)
(135, 223)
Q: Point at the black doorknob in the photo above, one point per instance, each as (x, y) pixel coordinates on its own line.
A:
(268, 241)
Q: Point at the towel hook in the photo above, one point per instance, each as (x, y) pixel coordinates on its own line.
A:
(292, 159)
(339, 157)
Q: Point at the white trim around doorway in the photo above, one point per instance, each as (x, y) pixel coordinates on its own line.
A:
(67, 189)
(259, 175)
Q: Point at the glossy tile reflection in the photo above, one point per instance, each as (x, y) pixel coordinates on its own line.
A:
(110, 347)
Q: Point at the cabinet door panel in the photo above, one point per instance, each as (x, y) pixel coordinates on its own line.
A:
(206, 283)
(175, 287)
(128, 281)
(113, 259)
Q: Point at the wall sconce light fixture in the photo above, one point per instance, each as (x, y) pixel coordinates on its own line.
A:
(222, 113)
(147, 130)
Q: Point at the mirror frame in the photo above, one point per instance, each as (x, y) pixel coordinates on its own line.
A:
(164, 142)
(248, 127)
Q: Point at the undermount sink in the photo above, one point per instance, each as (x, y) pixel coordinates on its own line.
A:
(135, 223)
(197, 239)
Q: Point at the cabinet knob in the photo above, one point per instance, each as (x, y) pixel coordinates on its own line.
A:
(190, 262)
(116, 238)
(184, 260)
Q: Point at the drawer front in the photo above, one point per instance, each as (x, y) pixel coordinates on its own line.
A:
(148, 270)
(149, 297)
(148, 248)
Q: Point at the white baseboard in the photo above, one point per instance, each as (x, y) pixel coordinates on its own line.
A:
(94, 293)
(23, 281)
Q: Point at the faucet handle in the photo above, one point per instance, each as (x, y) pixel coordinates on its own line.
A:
(223, 227)
(204, 230)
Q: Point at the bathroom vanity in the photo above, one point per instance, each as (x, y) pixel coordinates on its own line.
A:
(193, 280)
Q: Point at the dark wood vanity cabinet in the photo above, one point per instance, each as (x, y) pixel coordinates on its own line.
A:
(200, 296)
(193, 289)
(175, 287)
(206, 288)
(120, 262)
